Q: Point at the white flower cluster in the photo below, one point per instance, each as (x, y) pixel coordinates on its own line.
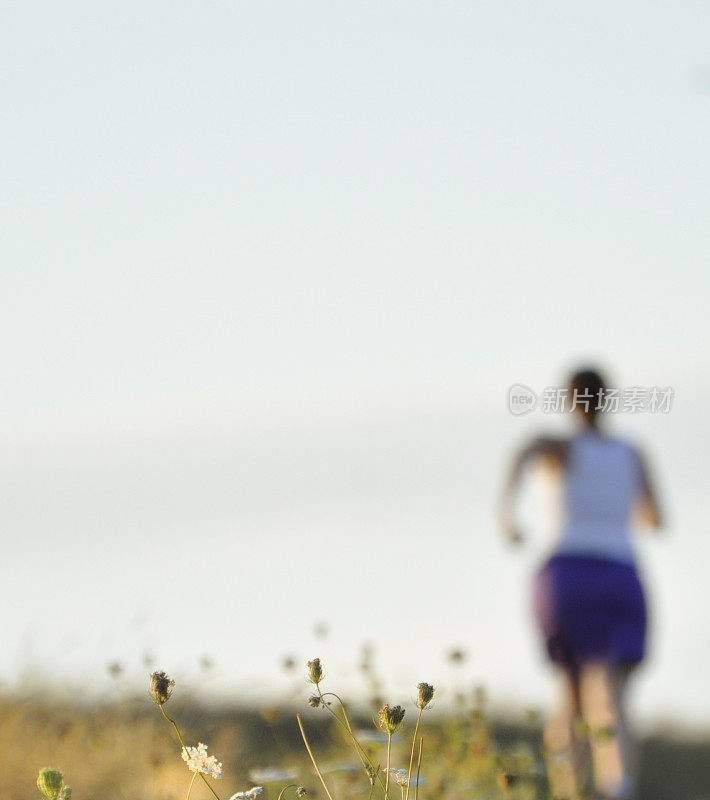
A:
(401, 776)
(198, 761)
(251, 794)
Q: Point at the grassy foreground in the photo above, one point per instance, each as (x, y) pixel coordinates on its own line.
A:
(127, 749)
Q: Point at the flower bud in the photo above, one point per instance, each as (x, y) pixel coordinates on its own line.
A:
(315, 671)
(425, 693)
(50, 782)
(161, 687)
(391, 718)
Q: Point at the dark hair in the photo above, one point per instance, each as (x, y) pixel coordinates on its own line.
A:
(588, 383)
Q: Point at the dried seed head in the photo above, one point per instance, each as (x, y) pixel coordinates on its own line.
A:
(50, 782)
(391, 718)
(161, 687)
(457, 655)
(425, 693)
(115, 669)
(315, 671)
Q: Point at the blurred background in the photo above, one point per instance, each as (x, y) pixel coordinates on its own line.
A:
(269, 272)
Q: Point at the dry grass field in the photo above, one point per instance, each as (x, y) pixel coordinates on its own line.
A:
(126, 750)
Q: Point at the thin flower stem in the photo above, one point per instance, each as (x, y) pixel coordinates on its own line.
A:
(419, 763)
(290, 786)
(184, 747)
(411, 754)
(387, 778)
(189, 788)
(359, 749)
(315, 765)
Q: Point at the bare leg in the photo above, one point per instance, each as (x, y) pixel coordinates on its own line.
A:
(601, 690)
(561, 744)
(619, 679)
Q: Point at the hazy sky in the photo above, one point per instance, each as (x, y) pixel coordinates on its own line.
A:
(268, 271)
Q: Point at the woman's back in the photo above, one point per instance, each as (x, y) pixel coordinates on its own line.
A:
(602, 482)
(588, 599)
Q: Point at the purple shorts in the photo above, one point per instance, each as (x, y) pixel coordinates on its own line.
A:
(590, 609)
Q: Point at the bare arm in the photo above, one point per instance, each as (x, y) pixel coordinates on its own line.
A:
(648, 507)
(542, 446)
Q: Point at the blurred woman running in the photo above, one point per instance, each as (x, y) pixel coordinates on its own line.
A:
(588, 600)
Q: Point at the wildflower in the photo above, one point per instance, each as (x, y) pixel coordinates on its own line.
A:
(198, 761)
(250, 794)
(301, 791)
(401, 776)
(315, 671)
(50, 782)
(391, 718)
(425, 693)
(115, 669)
(161, 687)
(457, 655)
(314, 701)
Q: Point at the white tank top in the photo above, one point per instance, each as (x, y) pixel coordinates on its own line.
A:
(602, 480)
